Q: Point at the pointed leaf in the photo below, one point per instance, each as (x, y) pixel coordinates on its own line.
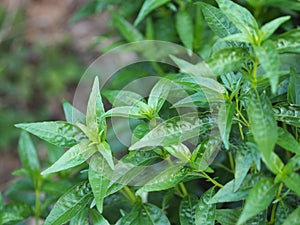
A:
(175, 131)
(293, 218)
(239, 37)
(59, 133)
(122, 97)
(71, 203)
(166, 179)
(287, 141)
(125, 111)
(106, 152)
(146, 214)
(240, 16)
(294, 88)
(269, 60)
(288, 42)
(180, 151)
(288, 114)
(187, 210)
(75, 156)
(184, 27)
(206, 211)
(81, 218)
(225, 117)
(28, 156)
(269, 28)
(98, 219)
(72, 114)
(217, 21)
(264, 129)
(159, 94)
(94, 120)
(243, 161)
(128, 31)
(259, 198)
(148, 6)
(99, 177)
(227, 216)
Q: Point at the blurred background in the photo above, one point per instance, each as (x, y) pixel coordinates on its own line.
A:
(43, 54)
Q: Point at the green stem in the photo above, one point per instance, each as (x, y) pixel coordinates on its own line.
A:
(37, 209)
(130, 195)
(272, 220)
(231, 161)
(183, 189)
(212, 180)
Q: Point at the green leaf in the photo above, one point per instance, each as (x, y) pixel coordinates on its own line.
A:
(264, 129)
(70, 204)
(166, 179)
(180, 151)
(122, 97)
(193, 100)
(269, 60)
(184, 27)
(239, 37)
(288, 42)
(287, 141)
(72, 114)
(217, 21)
(227, 60)
(148, 6)
(10, 217)
(201, 74)
(187, 210)
(106, 152)
(98, 219)
(259, 198)
(94, 120)
(294, 88)
(243, 161)
(240, 17)
(269, 28)
(75, 156)
(99, 177)
(282, 212)
(59, 133)
(159, 94)
(28, 156)
(287, 114)
(293, 218)
(128, 31)
(175, 131)
(227, 194)
(139, 132)
(227, 216)
(206, 211)
(146, 214)
(225, 117)
(81, 218)
(125, 111)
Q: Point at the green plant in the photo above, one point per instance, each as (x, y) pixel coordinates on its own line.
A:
(255, 179)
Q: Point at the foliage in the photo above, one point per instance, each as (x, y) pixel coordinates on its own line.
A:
(255, 177)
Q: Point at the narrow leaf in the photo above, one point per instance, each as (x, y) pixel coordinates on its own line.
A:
(187, 210)
(59, 133)
(293, 218)
(98, 219)
(184, 27)
(125, 111)
(99, 177)
(287, 141)
(72, 114)
(75, 156)
(206, 211)
(159, 94)
(28, 156)
(240, 16)
(269, 28)
(288, 42)
(179, 151)
(106, 152)
(294, 88)
(225, 118)
(71, 203)
(259, 198)
(165, 180)
(81, 218)
(269, 60)
(128, 31)
(122, 97)
(217, 21)
(264, 129)
(287, 114)
(227, 216)
(148, 6)
(175, 131)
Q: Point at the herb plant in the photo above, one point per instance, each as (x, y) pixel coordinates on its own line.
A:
(233, 163)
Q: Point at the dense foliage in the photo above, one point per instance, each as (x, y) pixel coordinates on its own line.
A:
(233, 160)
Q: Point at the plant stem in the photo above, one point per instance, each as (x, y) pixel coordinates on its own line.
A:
(183, 189)
(37, 209)
(130, 194)
(272, 220)
(231, 161)
(212, 180)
